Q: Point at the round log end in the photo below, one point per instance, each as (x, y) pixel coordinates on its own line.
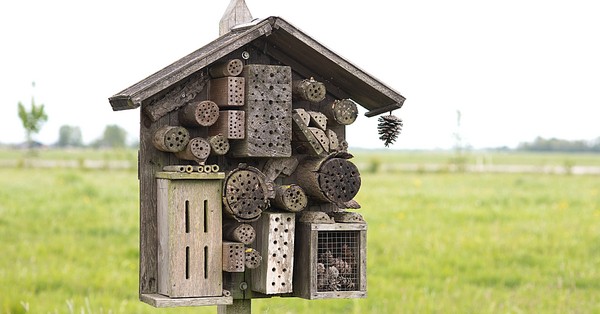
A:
(171, 139)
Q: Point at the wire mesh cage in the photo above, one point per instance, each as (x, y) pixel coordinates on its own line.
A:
(331, 262)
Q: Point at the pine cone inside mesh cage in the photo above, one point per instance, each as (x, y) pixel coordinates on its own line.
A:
(389, 128)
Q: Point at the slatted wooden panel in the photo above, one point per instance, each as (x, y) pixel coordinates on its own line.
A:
(189, 231)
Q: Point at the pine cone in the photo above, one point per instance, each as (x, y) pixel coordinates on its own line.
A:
(389, 128)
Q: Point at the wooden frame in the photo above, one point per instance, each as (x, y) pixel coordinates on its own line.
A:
(306, 258)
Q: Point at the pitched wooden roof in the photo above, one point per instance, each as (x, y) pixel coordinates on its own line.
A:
(287, 44)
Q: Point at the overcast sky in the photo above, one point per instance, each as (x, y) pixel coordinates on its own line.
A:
(516, 69)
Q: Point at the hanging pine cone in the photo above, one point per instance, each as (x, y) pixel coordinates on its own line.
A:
(389, 128)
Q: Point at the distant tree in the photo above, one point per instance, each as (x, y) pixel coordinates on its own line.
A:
(69, 136)
(113, 136)
(32, 120)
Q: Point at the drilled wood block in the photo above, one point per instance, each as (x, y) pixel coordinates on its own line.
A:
(304, 137)
(334, 143)
(275, 243)
(234, 257)
(227, 91)
(189, 236)
(331, 261)
(321, 136)
(231, 124)
(268, 112)
(318, 120)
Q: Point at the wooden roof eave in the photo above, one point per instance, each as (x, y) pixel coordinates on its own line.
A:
(369, 92)
(137, 94)
(293, 44)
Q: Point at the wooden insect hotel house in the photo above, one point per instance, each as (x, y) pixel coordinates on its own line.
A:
(246, 183)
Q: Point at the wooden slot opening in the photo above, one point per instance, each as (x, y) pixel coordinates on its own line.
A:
(187, 262)
(205, 216)
(205, 262)
(187, 216)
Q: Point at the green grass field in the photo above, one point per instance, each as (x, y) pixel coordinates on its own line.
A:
(437, 243)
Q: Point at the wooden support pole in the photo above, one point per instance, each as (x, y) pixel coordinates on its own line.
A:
(239, 306)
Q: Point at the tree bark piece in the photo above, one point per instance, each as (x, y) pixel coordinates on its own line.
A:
(198, 150)
(239, 232)
(171, 139)
(232, 67)
(343, 111)
(245, 194)
(290, 198)
(201, 113)
(219, 144)
(309, 90)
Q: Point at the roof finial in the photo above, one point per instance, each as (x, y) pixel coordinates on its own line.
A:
(237, 13)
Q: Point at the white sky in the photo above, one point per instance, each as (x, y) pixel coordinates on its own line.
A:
(516, 69)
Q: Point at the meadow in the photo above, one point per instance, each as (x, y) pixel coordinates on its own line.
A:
(438, 242)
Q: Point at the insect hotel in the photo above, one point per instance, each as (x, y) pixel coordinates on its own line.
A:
(246, 185)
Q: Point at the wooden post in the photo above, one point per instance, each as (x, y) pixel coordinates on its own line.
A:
(239, 306)
(236, 13)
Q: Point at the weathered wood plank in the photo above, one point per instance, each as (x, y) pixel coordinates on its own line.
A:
(161, 301)
(275, 241)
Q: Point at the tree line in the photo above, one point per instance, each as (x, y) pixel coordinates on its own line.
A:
(541, 144)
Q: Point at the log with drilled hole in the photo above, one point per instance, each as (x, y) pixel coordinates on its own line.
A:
(198, 149)
(245, 194)
(171, 139)
(342, 111)
(232, 67)
(239, 232)
(333, 180)
(200, 113)
(290, 198)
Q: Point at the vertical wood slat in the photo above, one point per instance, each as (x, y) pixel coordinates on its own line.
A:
(190, 247)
